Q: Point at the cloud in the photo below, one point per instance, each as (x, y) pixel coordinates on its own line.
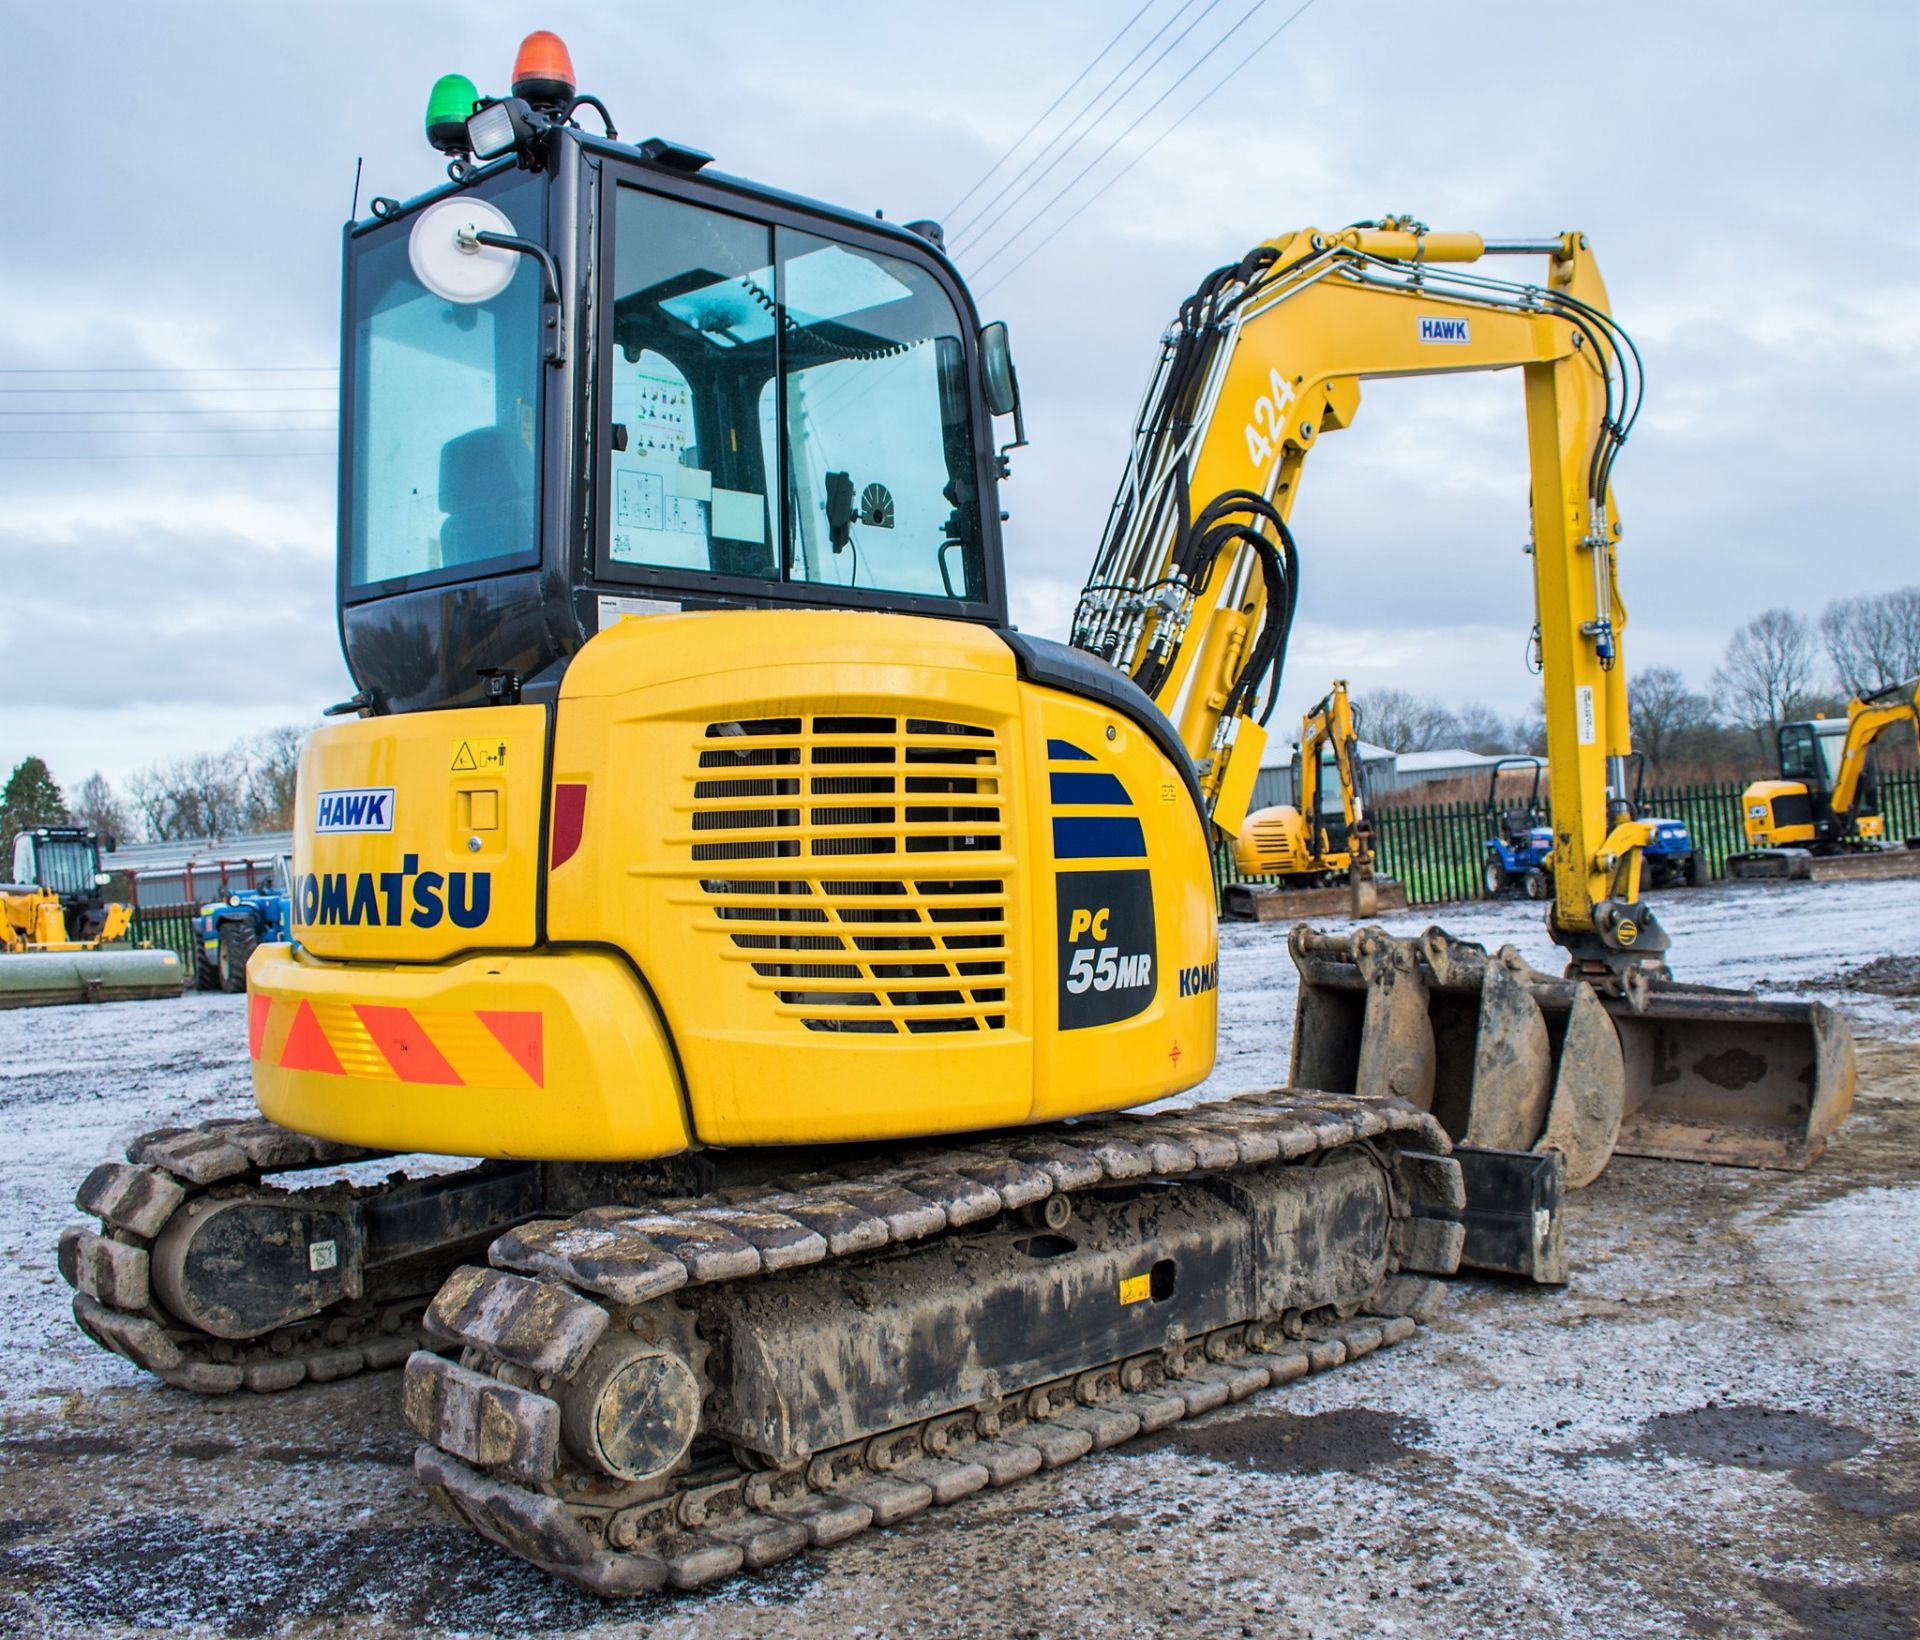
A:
(192, 619)
(1753, 253)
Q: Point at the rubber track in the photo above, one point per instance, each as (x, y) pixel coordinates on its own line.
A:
(167, 1170)
(493, 1458)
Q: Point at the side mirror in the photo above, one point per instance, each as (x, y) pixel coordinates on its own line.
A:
(840, 513)
(996, 363)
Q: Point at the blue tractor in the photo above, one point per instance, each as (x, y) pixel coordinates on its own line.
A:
(226, 932)
(1519, 851)
(1670, 856)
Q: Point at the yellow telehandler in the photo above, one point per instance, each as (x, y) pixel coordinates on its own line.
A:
(795, 939)
(61, 939)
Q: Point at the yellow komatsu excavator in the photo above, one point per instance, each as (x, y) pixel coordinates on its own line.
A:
(705, 850)
(61, 939)
(1822, 807)
(1304, 845)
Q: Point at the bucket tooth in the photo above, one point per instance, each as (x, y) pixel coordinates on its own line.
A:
(1512, 1063)
(1396, 1032)
(1589, 1092)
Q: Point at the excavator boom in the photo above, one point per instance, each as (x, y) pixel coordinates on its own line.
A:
(1193, 593)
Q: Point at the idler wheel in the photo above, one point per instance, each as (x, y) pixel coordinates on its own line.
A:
(632, 1410)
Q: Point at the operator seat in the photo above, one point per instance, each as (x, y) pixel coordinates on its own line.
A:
(486, 491)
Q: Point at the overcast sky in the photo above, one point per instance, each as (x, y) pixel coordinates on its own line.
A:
(1746, 173)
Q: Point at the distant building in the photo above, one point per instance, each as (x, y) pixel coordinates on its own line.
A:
(195, 870)
(1382, 770)
(1413, 769)
(1274, 783)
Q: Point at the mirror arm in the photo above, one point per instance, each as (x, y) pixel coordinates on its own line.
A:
(556, 353)
(1019, 437)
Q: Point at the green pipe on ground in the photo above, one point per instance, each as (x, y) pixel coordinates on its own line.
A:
(107, 973)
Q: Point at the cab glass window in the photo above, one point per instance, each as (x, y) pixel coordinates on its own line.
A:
(786, 407)
(878, 431)
(693, 348)
(1832, 742)
(1798, 760)
(445, 415)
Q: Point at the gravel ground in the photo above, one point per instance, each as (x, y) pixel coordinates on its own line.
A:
(1711, 1432)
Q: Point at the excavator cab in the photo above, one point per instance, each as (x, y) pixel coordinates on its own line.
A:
(592, 381)
(1810, 754)
(670, 581)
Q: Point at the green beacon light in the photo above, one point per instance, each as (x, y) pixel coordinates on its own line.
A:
(448, 106)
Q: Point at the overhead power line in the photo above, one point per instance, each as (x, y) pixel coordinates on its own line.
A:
(975, 229)
(185, 455)
(158, 432)
(953, 210)
(168, 370)
(1133, 125)
(189, 410)
(1219, 86)
(146, 392)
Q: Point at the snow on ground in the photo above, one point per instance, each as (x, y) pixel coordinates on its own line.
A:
(1711, 1432)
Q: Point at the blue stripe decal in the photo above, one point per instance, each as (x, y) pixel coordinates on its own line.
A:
(1064, 751)
(1088, 788)
(1098, 837)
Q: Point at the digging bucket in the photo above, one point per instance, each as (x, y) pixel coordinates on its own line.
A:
(1512, 1059)
(40, 979)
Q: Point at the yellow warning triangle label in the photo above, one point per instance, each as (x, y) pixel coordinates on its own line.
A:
(463, 759)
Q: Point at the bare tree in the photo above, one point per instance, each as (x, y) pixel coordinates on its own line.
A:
(98, 807)
(191, 797)
(1482, 729)
(1767, 675)
(1405, 722)
(1873, 640)
(1664, 714)
(273, 763)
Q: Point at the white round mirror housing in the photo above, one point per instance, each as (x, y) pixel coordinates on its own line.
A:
(447, 258)
(996, 365)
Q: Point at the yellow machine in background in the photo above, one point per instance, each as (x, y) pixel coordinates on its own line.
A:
(1822, 805)
(59, 932)
(706, 850)
(1304, 853)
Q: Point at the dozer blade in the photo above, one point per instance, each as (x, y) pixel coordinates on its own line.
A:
(1519, 1060)
(39, 979)
(1264, 902)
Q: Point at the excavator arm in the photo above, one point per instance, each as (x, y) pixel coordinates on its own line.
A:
(1330, 724)
(1868, 718)
(1193, 589)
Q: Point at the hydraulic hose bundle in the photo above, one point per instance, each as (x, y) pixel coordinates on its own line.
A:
(1155, 558)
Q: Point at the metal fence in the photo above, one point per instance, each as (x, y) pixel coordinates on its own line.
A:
(1435, 849)
(169, 926)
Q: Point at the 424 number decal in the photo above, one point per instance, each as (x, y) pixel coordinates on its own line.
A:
(1267, 426)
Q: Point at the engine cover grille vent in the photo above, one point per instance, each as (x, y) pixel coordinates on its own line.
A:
(858, 868)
